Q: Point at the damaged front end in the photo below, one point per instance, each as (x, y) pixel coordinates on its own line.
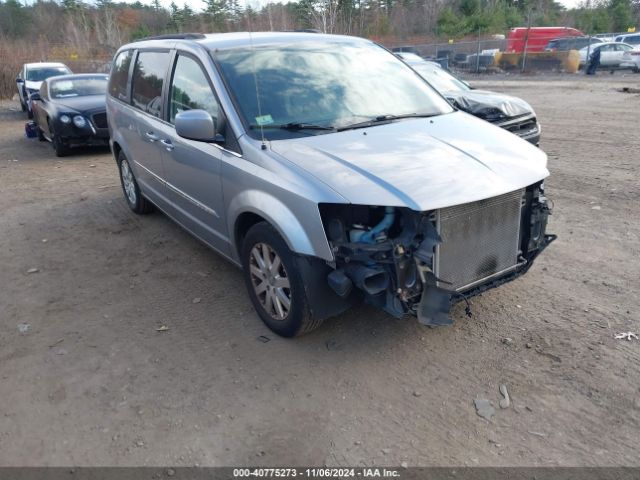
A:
(421, 263)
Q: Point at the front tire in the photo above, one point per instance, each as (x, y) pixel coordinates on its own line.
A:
(137, 203)
(274, 282)
(61, 148)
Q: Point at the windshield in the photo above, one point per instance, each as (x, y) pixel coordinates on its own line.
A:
(322, 83)
(78, 87)
(41, 74)
(440, 79)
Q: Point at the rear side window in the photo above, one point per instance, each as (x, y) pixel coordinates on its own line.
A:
(120, 76)
(190, 89)
(148, 78)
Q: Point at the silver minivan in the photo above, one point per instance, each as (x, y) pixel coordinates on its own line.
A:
(328, 170)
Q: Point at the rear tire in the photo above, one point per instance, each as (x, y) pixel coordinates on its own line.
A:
(137, 203)
(274, 282)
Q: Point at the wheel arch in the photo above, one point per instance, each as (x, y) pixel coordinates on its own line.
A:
(253, 206)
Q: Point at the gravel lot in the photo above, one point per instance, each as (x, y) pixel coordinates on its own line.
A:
(91, 381)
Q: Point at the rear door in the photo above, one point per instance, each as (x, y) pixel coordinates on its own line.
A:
(607, 55)
(192, 168)
(147, 86)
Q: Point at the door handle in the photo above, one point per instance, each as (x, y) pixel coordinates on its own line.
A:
(151, 136)
(167, 144)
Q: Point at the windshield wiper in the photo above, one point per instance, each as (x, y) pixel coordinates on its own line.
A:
(384, 118)
(293, 126)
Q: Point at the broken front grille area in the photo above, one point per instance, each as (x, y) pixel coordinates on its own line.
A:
(523, 126)
(480, 240)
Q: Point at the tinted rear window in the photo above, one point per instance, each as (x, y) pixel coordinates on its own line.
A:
(148, 77)
(120, 75)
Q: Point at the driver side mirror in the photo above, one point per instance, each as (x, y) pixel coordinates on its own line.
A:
(19, 80)
(35, 96)
(197, 125)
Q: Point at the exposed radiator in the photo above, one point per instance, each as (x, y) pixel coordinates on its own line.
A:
(479, 240)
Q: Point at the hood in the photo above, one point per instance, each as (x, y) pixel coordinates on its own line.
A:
(422, 164)
(81, 104)
(489, 106)
(31, 85)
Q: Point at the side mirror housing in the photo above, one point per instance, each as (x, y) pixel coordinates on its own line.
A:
(197, 125)
(35, 96)
(19, 80)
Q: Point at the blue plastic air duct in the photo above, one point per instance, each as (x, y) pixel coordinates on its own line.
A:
(385, 223)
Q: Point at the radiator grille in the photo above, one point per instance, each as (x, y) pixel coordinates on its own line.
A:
(479, 239)
(100, 120)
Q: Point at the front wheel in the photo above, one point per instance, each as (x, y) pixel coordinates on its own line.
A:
(132, 195)
(59, 146)
(275, 283)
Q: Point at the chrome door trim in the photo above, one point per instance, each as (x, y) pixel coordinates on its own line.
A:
(184, 195)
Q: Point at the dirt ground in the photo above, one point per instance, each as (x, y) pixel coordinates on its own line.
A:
(91, 382)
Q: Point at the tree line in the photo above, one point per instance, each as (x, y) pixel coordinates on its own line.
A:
(106, 24)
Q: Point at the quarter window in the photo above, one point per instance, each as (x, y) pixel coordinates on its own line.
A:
(120, 75)
(190, 89)
(148, 77)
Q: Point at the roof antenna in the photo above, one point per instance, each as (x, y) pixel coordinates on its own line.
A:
(255, 81)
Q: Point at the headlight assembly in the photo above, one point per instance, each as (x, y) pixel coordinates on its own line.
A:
(79, 121)
(65, 119)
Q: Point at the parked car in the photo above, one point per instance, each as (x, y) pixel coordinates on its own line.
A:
(31, 77)
(70, 111)
(328, 170)
(570, 43)
(410, 57)
(631, 59)
(629, 38)
(405, 49)
(511, 113)
(610, 53)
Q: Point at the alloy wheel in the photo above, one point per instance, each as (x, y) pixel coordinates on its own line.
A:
(128, 181)
(270, 281)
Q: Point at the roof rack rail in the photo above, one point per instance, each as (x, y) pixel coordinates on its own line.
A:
(175, 36)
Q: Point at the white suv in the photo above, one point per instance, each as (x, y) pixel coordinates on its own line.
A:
(31, 77)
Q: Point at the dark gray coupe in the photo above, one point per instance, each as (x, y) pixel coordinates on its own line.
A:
(70, 111)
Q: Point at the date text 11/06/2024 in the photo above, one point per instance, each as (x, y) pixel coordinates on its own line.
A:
(316, 472)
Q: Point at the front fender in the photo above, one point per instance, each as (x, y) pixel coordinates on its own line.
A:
(308, 239)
